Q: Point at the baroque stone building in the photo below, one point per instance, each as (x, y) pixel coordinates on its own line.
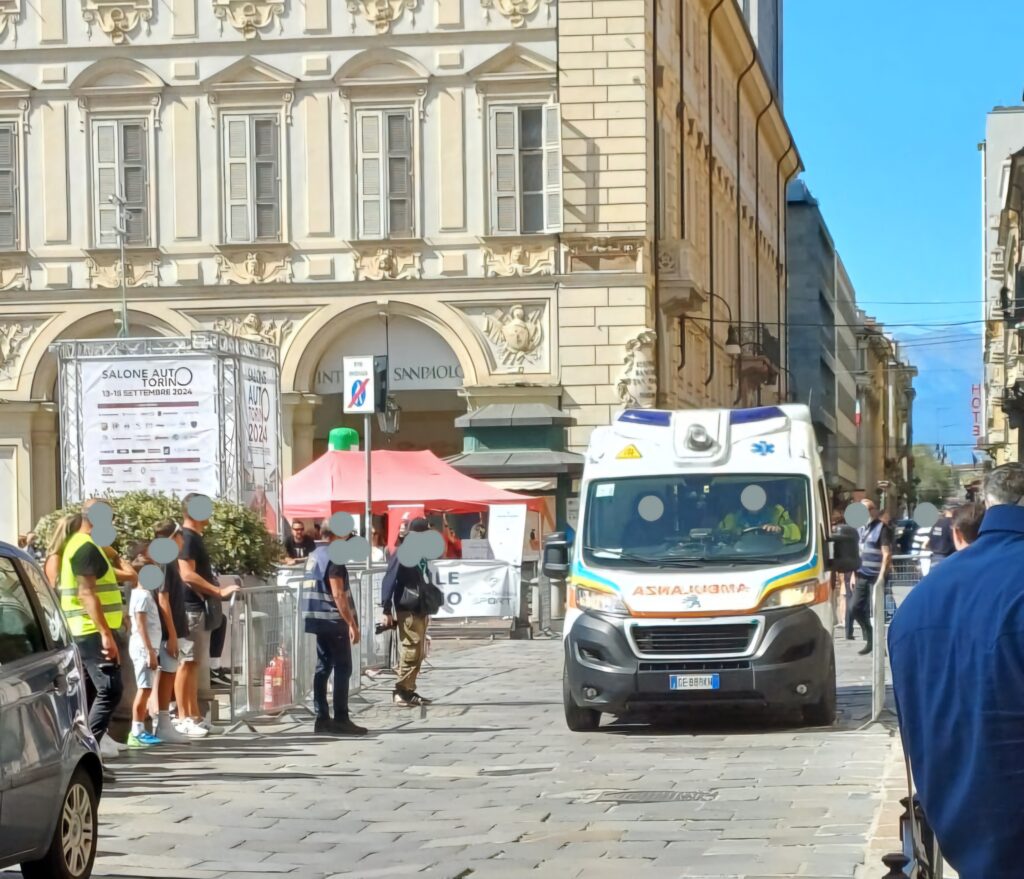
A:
(527, 204)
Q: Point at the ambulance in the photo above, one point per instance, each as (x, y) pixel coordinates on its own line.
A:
(699, 575)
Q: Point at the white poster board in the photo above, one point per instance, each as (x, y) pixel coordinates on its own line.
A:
(150, 425)
(572, 512)
(475, 589)
(506, 526)
(261, 466)
(476, 550)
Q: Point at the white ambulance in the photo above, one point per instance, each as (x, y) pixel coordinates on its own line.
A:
(700, 570)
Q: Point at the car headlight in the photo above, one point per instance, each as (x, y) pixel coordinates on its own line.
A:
(793, 596)
(599, 602)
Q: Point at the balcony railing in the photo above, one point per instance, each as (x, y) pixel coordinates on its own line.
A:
(760, 340)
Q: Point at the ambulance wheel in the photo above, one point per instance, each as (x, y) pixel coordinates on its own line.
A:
(576, 718)
(823, 712)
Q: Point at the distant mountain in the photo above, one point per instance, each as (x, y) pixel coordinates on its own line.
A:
(947, 373)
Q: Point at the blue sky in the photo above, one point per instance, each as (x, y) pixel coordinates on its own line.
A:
(887, 102)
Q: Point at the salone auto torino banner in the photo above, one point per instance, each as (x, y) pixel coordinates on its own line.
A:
(150, 425)
(260, 476)
(476, 588)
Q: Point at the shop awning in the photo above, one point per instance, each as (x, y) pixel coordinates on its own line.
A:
(336, 481)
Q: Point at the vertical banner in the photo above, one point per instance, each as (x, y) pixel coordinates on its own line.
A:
(261, 470)
(398, 514)
(506, 530)
(149, 424)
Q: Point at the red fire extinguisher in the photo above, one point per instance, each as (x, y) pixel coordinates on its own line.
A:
(277, 682)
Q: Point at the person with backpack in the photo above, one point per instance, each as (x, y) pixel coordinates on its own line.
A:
(329, 613)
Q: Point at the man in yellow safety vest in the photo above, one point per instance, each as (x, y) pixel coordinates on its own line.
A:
(91, 600)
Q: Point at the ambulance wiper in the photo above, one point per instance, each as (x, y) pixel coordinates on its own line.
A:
(657, 561)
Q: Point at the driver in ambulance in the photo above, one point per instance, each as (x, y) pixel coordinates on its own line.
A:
(757, 513)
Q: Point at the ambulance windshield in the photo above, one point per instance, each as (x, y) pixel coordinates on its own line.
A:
(695, 520)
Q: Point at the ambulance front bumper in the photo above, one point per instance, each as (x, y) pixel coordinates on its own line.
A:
(621, 666)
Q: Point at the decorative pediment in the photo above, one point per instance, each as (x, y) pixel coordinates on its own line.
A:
(118, 19)
(382, 14)
(249, 17)
(383, 66)
(114, 77)
(515, 63)
(10, 13)
(516, 11)
(250, 81)
(14, 94)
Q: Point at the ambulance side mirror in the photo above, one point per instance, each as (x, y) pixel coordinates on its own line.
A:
(844, 550)
(555, 560)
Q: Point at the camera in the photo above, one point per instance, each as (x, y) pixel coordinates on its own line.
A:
(381, 628)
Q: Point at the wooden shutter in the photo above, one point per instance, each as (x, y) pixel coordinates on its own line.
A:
(8, 186)
(134, 180)
(399, 174)
(236, 179)
(105, 182)
(370, 174)
(504, 162)
(552, 168)
(266, 179)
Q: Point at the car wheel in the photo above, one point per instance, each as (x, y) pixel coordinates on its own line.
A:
(823, 712)
(73, 847)
(576, 718)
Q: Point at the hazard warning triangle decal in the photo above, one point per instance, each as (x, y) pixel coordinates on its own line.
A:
(630, 453)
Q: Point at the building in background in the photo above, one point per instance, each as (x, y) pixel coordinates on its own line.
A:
(1002, 285)
(885, 434)
(764, 18)
(822, 350)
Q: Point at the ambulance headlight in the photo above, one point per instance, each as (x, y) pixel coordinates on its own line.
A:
(598, 602)
(793, 596)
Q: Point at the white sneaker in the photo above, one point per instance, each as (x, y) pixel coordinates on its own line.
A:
(109, 749)
(167, 732)
(191, 729)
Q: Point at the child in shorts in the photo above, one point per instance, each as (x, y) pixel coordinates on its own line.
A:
(142, 647)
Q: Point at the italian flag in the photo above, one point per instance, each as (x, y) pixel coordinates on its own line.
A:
(856, 415)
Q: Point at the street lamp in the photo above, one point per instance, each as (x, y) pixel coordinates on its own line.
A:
(732, 334)
(389, 418)
(121, 230)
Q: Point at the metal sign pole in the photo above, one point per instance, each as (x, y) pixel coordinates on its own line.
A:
(367, 427)
(878, 655)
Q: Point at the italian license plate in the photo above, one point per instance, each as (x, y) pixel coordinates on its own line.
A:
(694, 682)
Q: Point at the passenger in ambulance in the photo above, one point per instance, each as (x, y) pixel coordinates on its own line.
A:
(756, 512)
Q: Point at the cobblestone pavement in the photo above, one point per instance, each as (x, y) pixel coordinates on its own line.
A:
(489, 783)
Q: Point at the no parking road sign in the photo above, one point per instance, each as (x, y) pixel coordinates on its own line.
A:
(358, 384)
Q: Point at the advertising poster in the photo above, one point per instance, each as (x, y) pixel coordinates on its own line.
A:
(150, 425)
(261, 469)
(506, 530)
(475, 589)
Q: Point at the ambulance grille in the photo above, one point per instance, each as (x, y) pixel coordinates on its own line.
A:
(695, 640)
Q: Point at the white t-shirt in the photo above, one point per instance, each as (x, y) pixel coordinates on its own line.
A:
(142, 601)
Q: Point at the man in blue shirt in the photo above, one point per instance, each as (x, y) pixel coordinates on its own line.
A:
(957, 651)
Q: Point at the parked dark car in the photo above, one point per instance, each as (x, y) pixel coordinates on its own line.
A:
(51, 776)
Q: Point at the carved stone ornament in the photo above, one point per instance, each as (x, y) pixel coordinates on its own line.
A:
(518, 260)
(117, 18)
(515, 336)
(516, 11)
(255, 329)
(380, 13)
(638, 384)
(249, 17)
(253, 267)
(12, 337)
(105, 270)
(604, 254)
(388, 264)
(10, 12)
(14, 274)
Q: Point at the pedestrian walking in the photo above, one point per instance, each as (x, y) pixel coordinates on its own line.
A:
(143, 650)
(203, 611)
(92, 603)
(402, 599)
(956, 656)
(875, 559)
(329, 613)
(940, 539)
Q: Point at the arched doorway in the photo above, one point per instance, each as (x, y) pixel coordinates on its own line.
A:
(425, 377)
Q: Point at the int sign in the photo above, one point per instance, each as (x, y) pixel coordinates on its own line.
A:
(358, 386)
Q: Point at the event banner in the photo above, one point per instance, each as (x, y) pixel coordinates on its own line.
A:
(261, 474)
(475, 589)
(150, 425)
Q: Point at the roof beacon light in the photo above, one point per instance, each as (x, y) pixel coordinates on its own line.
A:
(698, 439)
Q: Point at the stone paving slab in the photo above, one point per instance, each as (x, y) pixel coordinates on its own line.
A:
(490, 783)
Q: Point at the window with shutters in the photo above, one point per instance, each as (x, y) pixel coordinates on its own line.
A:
(120, 161)
(385, 180)
(9, 201)
(251, 178)
(525, 169)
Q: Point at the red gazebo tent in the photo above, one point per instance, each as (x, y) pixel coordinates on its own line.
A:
(336, 482)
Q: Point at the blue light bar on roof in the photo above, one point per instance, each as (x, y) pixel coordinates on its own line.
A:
(652, 417)
(748, 416)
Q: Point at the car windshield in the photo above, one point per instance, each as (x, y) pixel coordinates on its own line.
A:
(696, 520)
